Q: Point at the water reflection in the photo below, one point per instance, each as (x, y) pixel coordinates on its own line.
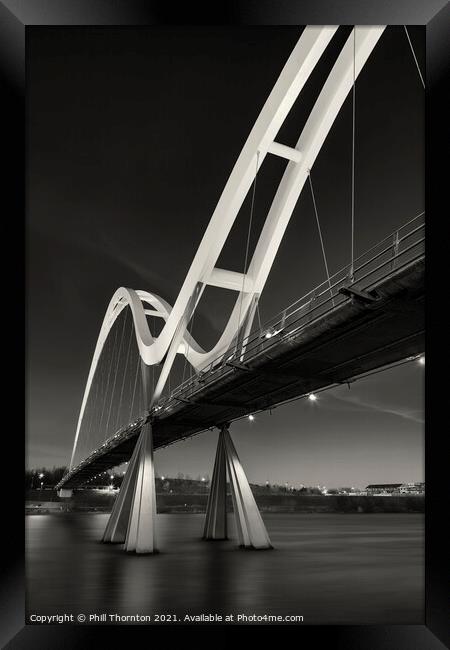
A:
(361, 569)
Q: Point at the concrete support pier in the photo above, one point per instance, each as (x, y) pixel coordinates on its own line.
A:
(250, 527)
(117, 526)
(132, 519)
(141, 533)
(65, 494)
(216, 510)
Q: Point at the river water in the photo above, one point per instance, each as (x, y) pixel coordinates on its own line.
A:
(329, 568)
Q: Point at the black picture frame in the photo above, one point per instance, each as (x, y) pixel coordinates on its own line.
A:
(16, 17)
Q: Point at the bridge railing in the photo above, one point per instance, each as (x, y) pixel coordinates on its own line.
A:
(119, 437)
(401, 248)
(391, 254)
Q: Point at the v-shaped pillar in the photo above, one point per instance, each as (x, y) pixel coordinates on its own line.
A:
(117, 526)
(250, 527)
(141, 533)
(132, 519)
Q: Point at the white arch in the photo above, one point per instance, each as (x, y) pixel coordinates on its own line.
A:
(174, 336)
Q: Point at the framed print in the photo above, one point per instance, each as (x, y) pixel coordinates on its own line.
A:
(224, 222)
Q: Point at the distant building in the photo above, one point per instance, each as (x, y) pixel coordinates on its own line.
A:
(388, 489)
(412, 488)
(346, 490)
(383, 489)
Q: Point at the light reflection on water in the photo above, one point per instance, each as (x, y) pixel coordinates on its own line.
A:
(330, 568)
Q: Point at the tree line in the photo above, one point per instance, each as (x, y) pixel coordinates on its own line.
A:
(44, 477)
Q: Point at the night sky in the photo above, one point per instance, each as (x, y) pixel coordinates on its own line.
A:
(132, 134)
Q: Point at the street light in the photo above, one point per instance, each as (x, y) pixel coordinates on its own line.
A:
(312, 397)
(422, 360)
(251, 417)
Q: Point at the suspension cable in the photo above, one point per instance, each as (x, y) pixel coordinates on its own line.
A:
(109, 375)
(115, 372)
(414, 55)
(153, 379)
(130, 383)
(92, 405)
(140, 397)
(247, 248)
(258, 314)
(319, 229)
(353, 153)
(125, 370)
(135, 382)
(102, 372)
(187, 346)
(84, 441)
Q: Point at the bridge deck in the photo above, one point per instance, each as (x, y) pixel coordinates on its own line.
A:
(353, 336)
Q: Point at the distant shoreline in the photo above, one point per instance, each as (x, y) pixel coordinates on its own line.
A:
(99, 501)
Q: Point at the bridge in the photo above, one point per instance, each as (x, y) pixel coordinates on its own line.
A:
(367, 316)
